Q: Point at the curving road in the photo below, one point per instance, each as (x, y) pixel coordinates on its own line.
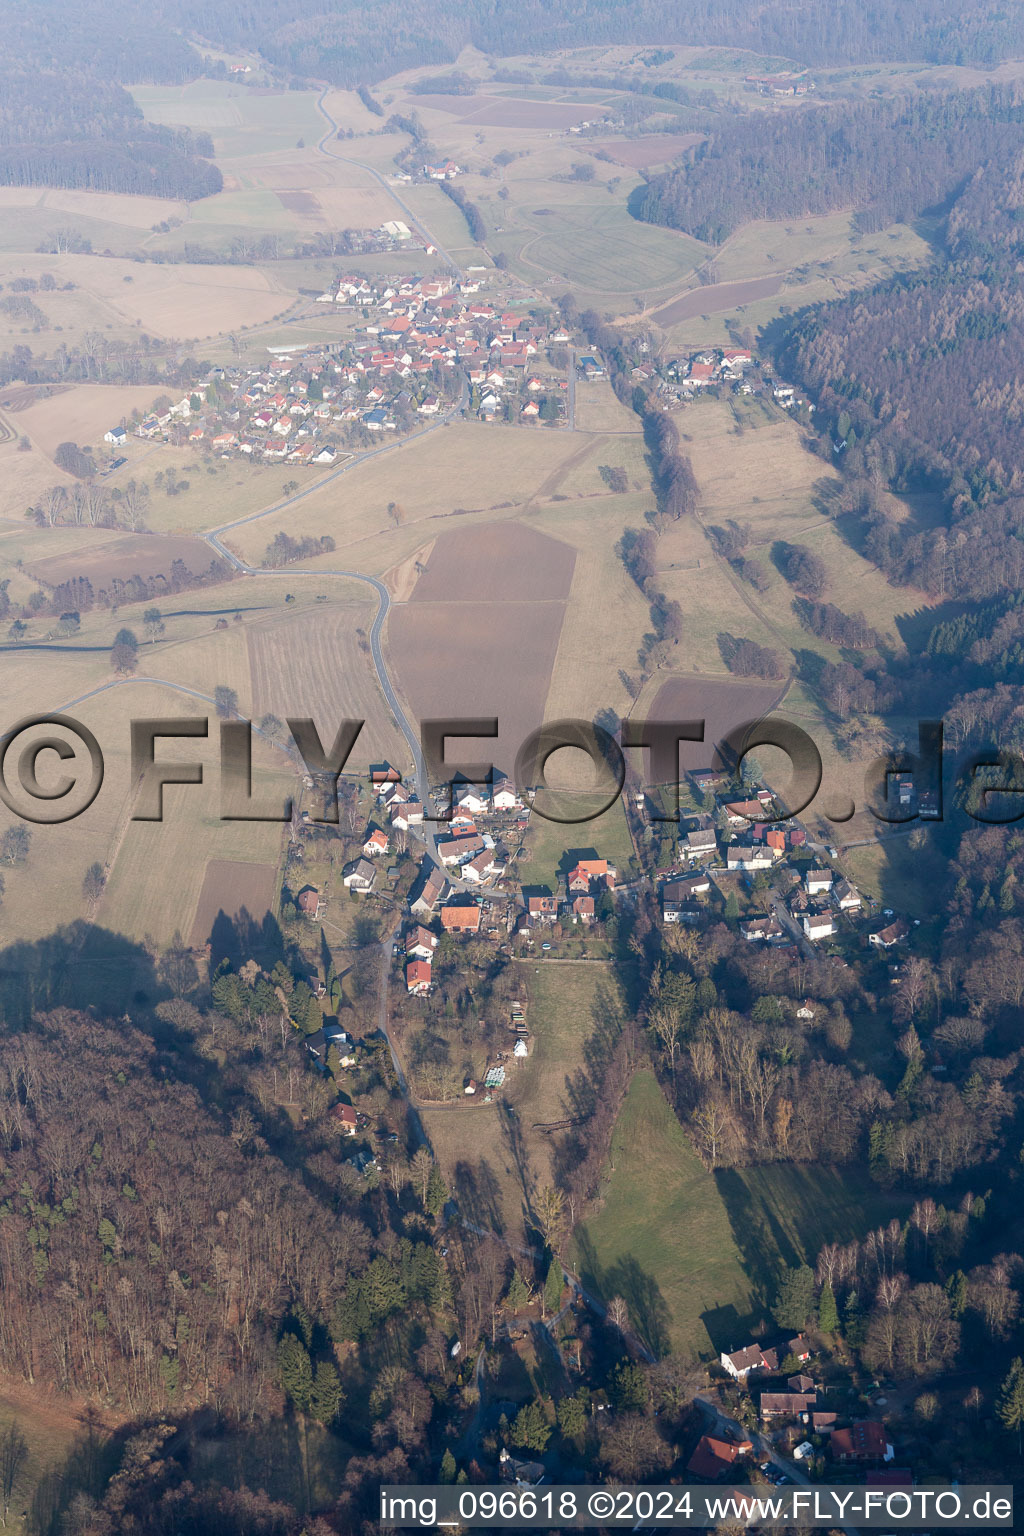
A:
(330, 138)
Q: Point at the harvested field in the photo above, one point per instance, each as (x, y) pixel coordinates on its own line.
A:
(232, 888)
(500, 564)
(649, 149)
(475, 659)
(316, 663)
(495, 112)
(134, 554)
(716, 297)
(108, 207)
(82, 414)
(721, 705)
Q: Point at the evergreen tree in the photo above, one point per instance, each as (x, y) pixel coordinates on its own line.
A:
(572, 1414)
(554, 1281)
(294, 1370)
(732, 906)
(448, 1468)
(1010, 1400)
(518, 1293)
(795, 1301)
(828, 1313)
(437, 1192)
(956, 1290)
(531, 1430)
(326, 1395)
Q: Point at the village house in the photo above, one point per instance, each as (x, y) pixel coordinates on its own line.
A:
(701, 843)
(846, 896)
(588, 874)
(418, 977)
(818, 925)
(542, 909)
(739, 812)
(320, 1042)
(817, 882)
(309, 902)
(459, 850)
(359, 875)
(864, 1441)
(581, 909)
(431, 888)
(713, 1458)
(686, 889)
(754, 1358)
(762, 930)
(503, 796)
(690, 913)
(785, 1405)
(749, 856)
(420, 943)
(460, 917)
(885, 938)
(406, 814)
(376, 843)
(481, 868)
(345, 1119)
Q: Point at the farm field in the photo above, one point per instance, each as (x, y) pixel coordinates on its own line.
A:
(234, 890)
(463, 466)
(512, 647)
(722, 703)
(715, 298)
(648, 151)
(661, 1237)
(505, 562)
(51, 1427)
(109, 558)
(598, 409)
(316, 663)
(81, 414)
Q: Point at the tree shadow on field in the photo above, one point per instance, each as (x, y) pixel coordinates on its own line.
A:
(478, 1194)
(764, 1245)
(244, 937)
(649, 1315)
(79, 966)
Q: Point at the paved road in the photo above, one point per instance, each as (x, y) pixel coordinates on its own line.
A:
(330, 139)
(215, 538)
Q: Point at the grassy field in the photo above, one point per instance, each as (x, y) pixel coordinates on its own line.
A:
(661, 1237)
(554, 848)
